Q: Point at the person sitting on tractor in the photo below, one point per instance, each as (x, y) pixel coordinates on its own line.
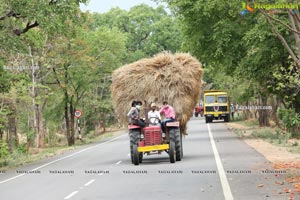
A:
(154, 116)
(134, 114)
(168, 112)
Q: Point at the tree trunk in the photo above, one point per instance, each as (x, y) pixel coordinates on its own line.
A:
(41, 129)
(67, 118)
(263, 117)
(102, 125)
(247, 113)
(12, 135)
(274, 103)
(1, 134)
(13, 140)
(72, 125)
(35, 124)
(296, 105)
(34, 105)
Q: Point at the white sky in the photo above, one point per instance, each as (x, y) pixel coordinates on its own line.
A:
(102, 6)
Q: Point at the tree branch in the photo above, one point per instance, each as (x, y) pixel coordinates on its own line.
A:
(296, 14)
(29, 26)
(296, 36)
(56, 77)
(281, 38)
(11, 14)
(280, 22)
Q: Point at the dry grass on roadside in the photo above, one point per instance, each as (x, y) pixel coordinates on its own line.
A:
(19, 158)
(275, 136)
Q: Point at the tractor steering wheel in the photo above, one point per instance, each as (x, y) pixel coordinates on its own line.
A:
(154, 120)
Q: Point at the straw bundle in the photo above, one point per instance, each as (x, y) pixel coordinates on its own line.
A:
(175, 78)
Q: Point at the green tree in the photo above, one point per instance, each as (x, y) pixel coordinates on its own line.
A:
(79, 65)
(148, 30)
(240, 46)
(19, 16)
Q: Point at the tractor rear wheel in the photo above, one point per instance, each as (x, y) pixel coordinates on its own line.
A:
(172, 153)
(140, 157)
(178, 145)
(181, 152)
(134, 139)
(135, 155)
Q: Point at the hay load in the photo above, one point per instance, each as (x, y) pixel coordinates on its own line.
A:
(175, 78)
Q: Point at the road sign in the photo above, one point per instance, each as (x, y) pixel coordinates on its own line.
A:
(78, 113)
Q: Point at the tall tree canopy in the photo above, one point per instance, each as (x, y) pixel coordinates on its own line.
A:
(148, 30)
(250, 48)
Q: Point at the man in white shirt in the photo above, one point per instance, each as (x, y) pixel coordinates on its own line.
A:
(154, 116)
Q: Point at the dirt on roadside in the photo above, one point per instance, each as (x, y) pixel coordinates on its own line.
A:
(279, 157)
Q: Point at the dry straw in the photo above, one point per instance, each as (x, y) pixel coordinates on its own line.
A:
(175, 78)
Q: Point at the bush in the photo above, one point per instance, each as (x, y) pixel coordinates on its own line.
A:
(3, 149)
(290, 118)
(21, 149)
(277, 137)
(264, 134)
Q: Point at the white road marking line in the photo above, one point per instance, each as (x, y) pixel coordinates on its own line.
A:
(118, 162)
(71, 195)
(90, 182)
(225, 185)
(55, 161)
(20, 175)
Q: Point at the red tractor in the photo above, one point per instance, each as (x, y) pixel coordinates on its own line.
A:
(149, 140)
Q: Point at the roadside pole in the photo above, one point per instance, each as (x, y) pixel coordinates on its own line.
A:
(78, 114)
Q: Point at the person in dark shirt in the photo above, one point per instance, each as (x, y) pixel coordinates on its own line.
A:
(134, 114)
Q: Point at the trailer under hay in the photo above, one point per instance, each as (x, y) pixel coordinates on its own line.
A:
(175, 78)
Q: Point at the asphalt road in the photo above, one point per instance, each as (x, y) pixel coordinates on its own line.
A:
(217, 165)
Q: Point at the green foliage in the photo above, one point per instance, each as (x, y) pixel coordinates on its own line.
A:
(286, 83)
(21, 149)
(4, 111)
(4, 79)
(3, 149)
(30, 135)
(20, 16)
(148, 30)
(240, 53)
(289, 117)
(96, 111)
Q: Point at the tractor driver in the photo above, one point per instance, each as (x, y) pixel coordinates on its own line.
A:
(154, 116)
